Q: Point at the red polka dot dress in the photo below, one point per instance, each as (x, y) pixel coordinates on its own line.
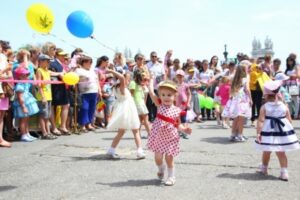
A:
(164, 137)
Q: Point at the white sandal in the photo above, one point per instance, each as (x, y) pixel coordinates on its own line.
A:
(263, 170)
(170, 181)
(284, 176)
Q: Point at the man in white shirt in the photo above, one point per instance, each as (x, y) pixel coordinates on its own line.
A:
(158, 72)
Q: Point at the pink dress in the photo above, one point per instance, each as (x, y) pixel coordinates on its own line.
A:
(164, 137)
(224, 93)
(181, 100)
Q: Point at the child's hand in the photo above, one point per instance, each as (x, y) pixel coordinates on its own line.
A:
(258, 138)
(24, 109)
(187, 130)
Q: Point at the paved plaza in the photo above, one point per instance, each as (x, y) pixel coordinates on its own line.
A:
(208, 167)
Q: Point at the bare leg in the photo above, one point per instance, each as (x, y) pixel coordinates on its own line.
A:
(266, 158)
(117, 138)
(137, 138)
(146, 123)
(3, 142)
(240, 125)
(43, 126)
(169, 161)
(282, 159)
(64, 117)
(158, 159)
(52, 120)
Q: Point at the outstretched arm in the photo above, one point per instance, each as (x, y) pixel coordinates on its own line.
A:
(120, 77)
(151, 92)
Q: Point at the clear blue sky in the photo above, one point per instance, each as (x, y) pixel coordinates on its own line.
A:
(192, 28)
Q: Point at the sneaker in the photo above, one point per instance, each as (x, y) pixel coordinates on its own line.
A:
(113, 156)
(225, 126)
(27, 138)
(30, 136)
(232, 138)
(240, 139)
(170, 181)
(141, 155)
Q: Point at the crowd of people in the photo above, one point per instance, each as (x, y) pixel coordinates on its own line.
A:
(163, 95)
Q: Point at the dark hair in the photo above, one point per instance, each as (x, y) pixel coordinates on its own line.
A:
(138, 55)
(277, 60)
(169, 63)
(5, 45)
(199, 66)
(100, 60)
(84, 59)
(290, 67)
(76, 51)
(210, 63)
(138, 76)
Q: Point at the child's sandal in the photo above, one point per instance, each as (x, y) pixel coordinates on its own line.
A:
(284, 176)
(263, 170)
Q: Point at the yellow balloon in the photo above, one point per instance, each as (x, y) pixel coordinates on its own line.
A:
(40, 18)
(70, 78)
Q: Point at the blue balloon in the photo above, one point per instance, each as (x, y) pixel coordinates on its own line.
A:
(80, 24)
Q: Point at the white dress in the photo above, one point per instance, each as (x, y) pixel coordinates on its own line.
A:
(277, 132)
(124, 114)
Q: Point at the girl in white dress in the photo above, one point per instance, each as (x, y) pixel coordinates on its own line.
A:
(124, 116)
(274, 130)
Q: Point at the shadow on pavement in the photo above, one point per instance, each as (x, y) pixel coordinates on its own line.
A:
(5, 188)
(134, 183)
(217, 140)
(111, 138)
(98, 158)
(248, 176)
(210, 127)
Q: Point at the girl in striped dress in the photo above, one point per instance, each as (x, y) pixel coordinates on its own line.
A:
(274, 130)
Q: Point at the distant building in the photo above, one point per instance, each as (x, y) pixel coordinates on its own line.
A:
(258, 51)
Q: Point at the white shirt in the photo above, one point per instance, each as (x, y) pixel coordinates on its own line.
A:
(207, 75)
(157, 70)
(90, 77)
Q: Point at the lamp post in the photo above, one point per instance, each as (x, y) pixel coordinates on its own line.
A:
(225, 52)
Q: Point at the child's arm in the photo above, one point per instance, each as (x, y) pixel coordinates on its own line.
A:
(39, 85)
(21, 102)
(288, 114)
(55, 73)
(189, 96)
(120, 77)
(260, 123)
(151, 92)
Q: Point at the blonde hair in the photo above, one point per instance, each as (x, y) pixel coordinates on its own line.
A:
(121, 58)
(46, 47)
(21, 54)
(237, 81)
(225, 79)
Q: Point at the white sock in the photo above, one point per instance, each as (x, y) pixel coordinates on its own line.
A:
(111, 150)
(171, 172)
(161, 168)
(140, 150)
(283, 170)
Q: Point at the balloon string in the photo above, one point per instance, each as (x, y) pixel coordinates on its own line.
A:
(93, 37)
(64, 41)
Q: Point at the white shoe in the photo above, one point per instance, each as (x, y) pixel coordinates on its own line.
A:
(140, 155)
(170, 181)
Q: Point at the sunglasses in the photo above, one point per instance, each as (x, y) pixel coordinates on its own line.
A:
(153, 56)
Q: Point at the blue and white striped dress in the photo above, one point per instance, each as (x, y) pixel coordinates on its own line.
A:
(277, 132)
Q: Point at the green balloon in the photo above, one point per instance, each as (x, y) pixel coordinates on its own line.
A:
(209, 103)
(201, 101)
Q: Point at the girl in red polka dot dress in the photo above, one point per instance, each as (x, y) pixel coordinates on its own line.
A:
(164, 137)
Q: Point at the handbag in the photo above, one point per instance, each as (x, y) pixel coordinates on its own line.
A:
(7, 89)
